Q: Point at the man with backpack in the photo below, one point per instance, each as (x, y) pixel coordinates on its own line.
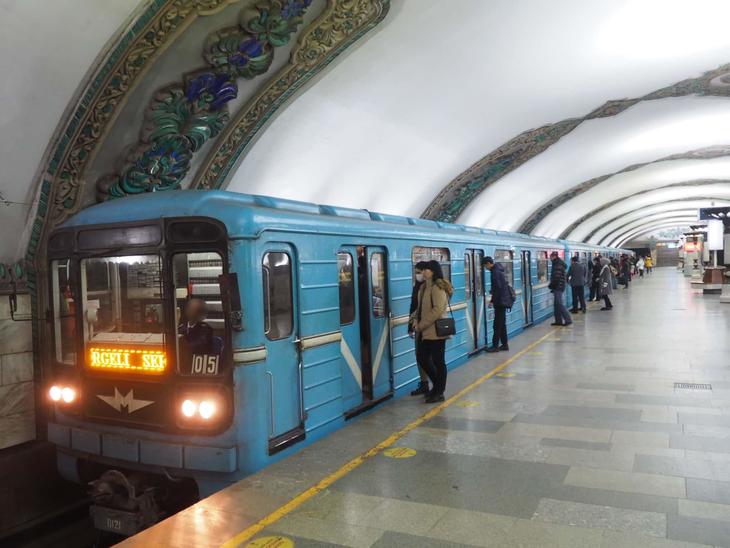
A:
(502, 299)
(557, 286)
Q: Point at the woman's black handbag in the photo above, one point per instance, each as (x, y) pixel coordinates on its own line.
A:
(445, 327)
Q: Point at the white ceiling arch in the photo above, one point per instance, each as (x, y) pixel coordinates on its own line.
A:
(683, 203)
(661, 201)
(634, 188)
(643, 133)
(636, 223)
(403, 114)
(680, 222)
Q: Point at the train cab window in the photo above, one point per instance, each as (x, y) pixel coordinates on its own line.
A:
(123, 313)
(347, 288)
(440, 254)
(504, 257)
(542, 266)
(199, 314)
(64, 312)
(377, 279)
(278, 307)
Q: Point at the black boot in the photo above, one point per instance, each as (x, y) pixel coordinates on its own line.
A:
(493, 349)
(422, 388)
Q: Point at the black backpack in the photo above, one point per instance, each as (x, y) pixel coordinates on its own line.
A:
(512, 296)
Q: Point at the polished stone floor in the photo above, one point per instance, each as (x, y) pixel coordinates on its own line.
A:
(583, 440)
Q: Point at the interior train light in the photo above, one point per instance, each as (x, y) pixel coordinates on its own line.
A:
(189, 407)
(137, 360)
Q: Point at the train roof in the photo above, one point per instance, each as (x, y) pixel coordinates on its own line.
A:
(246, 215)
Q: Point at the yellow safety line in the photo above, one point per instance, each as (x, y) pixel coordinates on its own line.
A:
(360, 459)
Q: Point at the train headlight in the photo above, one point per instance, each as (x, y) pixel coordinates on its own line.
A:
(188, 408)
(62, 394)
(68, 394)
(200, 410)
(55, 393)
(206, 409)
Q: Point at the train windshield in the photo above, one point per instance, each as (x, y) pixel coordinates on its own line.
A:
(123, 313)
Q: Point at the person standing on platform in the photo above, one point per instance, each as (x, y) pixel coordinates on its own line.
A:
(422, 387)
(615, 269)
(625, 271)
(557, 286)
(433, 301)
(500, 301)
(577, 281)
(595, 276)
(606, 287)
(640, 266)
(648, 263)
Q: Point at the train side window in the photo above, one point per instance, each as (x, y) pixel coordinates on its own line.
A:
(64, 317)
(542, 266)
(504, 257)
(347, 288)
(201, 325)
(278, 308)
(377, 279)
(440, 254)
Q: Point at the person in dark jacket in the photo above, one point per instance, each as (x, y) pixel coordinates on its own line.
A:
(422, 387)
(626, 267)
(501, 301)
(577, 280)
(595, 276)
(557, 286)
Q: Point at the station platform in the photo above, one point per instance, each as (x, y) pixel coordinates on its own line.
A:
(579, 436)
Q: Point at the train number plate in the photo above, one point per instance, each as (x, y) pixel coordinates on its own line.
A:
(205, 364)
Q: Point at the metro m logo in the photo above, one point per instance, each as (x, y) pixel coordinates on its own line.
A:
(117, 401)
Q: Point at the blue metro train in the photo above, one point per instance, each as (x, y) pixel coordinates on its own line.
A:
(306, 326)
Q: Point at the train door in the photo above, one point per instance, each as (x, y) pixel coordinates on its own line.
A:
(474, 289)
(283, 362)
(526, 270)
(365, 328)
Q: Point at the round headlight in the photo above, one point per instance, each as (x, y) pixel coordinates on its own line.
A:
(189, 407)
(68, 394)
(55, 393)
(206, 409)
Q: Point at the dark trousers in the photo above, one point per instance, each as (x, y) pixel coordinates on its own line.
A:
(419, 360)
(434, 362)
(579, 297)
(500, 326)
(561, 313)
(607, 301)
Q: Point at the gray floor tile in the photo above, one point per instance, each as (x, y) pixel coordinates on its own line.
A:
(668, 466)
(576, 444)
(706, 531)
(704, 419)
(708, 490)
(587, 412)
(401, 540)
(682, 401)
(467, 425)
(605, 386)
(629, 482)
(490, 485)
(699, 443)
(601, 517)
(627, 426)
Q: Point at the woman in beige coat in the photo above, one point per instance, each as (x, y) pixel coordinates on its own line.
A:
(433, 303)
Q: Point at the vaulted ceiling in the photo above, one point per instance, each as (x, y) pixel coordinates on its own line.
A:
(596, 121)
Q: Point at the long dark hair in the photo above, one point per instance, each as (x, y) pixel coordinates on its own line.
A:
(435, 267)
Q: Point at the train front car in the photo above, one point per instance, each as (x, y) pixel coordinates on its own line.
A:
(142, 316)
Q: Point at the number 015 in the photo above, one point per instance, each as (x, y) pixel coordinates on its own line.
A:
(205, 364)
